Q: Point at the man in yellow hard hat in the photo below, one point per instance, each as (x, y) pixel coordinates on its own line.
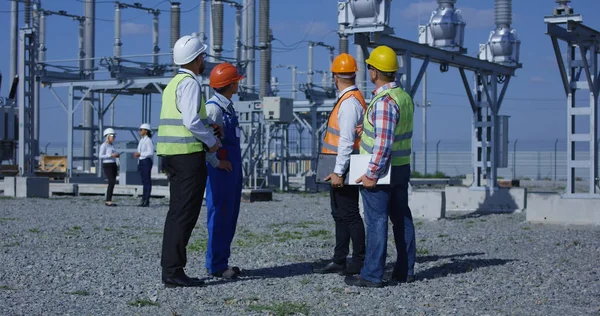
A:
(341, 140)
(387, 133)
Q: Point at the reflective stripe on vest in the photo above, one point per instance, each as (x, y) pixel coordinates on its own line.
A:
(332, 134)
(173, 137)
(401, 147)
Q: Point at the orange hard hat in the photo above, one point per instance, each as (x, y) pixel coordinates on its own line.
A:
(223, 75)
(344, 63)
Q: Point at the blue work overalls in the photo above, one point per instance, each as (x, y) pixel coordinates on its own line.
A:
(224, 193)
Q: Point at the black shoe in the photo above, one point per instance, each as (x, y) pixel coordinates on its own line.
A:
(358, 281)
(110, 204)
(183, 281)
(229, 273)
(353, 268)
(144, 203)
(331, 267)
(396, 276)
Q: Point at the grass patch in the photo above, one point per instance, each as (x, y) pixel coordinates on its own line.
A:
(318, 233)
(418, 223)
(82, 293)
(576, 243)
(442, 235)
(436, 175)
(422, 251)
(6, 287)
(34, 230)
(305, 281)
(76, 228)
(198, 245)
(6, 219)
(526, 228)
(12, 244)
(422, 240)
(125, 227)
(144, 302)
(281, 309)
(108, 229)
(287, 236)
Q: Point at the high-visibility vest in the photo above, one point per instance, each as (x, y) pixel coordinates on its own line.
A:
(173, 137)
(332, 136)
(401, 147)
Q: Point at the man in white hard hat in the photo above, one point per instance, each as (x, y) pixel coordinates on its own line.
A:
(144, 154)
(183, 138)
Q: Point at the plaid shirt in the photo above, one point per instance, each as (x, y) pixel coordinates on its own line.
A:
(384, 116)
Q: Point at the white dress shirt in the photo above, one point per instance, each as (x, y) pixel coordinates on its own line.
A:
(188, 102)
(215, 116)
(106, 150)
(145, 148)
(350, 115)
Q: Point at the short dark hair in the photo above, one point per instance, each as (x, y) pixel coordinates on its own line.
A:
(222, 90)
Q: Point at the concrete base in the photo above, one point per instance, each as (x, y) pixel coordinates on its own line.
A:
(100, 189)
(553, 208)
(262, 195)
(465, 199)
(429, 205)
(10, 186)
(28, 187)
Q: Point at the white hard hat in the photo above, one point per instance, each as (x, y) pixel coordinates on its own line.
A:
(187, 48)
(108, 131)
(146, 126)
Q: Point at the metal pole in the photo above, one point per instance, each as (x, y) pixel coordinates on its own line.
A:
(515, 158)
(555, 156)
(39, 55)
(155, 48)
(424, 123)
(88, 111)
(216, 17)
(250, 40)
(21, 104)
(70, 132)
(309, 75)
(117, 48)
(361, 75)
(99, 139)
(329, 73)
(238, 34)
(294, 82)
(14, 38)
(264, 44)
(437, 156)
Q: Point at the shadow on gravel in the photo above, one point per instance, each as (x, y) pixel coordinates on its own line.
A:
(459, 266)
(279, 272)
(421, 259)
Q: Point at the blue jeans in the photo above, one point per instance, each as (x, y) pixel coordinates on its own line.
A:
(379, 203)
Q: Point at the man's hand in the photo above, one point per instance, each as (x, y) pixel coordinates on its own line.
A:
(217, 130)
(336, 181)
(136, 155)
(215, 147)
(367, 183)
(225, 165)
(359, 130)
(115, 155)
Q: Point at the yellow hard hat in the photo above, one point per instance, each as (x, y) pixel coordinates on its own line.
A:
(383, 59)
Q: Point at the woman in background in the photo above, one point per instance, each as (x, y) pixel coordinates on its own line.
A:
(108, 156)
(145, 152)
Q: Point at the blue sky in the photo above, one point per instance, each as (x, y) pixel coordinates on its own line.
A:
(534, 100)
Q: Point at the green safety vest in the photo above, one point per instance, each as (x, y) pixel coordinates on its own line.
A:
(401, 147)
(173, 137)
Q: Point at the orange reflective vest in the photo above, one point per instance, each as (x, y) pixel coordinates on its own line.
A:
(332, 136)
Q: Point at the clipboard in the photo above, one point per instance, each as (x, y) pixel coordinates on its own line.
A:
(325, 166)
(358, 167)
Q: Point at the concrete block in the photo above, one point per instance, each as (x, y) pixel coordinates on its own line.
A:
(10, 186)
(427, 204)
(257, 195)
(424, 204)
(555, 209)
(33, 187)
(64, 189)
(483, 200)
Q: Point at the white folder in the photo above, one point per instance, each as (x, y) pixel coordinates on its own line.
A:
(358, 167)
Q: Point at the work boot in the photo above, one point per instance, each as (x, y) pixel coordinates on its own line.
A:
(144, 203)
(229, 273)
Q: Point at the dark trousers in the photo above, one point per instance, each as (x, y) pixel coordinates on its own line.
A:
(144, 168)
(187, 180)
(110, 171)
(348, 224)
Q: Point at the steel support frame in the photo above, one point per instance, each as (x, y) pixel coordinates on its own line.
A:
(579, 73)
(485, 102)
(28, 103)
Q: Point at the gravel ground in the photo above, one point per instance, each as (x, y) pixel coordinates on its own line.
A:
(73, 256)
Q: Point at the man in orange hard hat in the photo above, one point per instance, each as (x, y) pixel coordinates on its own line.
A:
(341, 139)
(224, 185)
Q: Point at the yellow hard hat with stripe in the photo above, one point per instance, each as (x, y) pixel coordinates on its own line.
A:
(383, 59)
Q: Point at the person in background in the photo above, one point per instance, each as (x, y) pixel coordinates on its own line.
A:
(183, 140)
(108, 156)
(387, 135)
(144, 153)
(342, 140)
(224, 185)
